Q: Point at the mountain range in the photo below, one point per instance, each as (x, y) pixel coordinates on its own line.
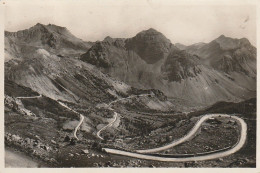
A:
(224, 69)
(52, 61)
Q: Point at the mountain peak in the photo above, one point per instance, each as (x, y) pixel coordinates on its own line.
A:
(150, 31)
(39, 24)
(245, 41)
(152, 35)
(108, 39)
(50, 27)
(55, 26)
(150, 45)
(50, 35)
(228, 43)
(222, 36)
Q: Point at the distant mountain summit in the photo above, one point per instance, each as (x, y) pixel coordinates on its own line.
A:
(227, 43)
(150, 45)
(51, 37)
(227, 54)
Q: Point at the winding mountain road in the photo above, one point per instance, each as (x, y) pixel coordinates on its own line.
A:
(82, 117)
(188, 136)
(142, 154)
(108, 125)
(238, 146)
(76, 129)
(30, 97)
(64, 105)
(115, 113)
(141, 95)
(80, 121)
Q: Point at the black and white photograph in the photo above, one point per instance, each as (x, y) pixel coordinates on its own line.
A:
(129, 85)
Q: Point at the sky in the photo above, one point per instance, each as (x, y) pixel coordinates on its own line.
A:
(186, 24)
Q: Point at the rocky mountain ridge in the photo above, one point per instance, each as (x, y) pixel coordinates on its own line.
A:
(53, 38)
(227, 54)
(222, 70)
(150, 60)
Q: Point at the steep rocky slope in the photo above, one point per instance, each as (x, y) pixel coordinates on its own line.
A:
(149, 60)
(47, 69)
(113, 58)
(59, 78)
(227, 54)
(224, 69)
(42, 58)
(150, 45)
(53, 38)
(180, 65)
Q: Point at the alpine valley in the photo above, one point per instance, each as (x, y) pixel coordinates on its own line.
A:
(67, 99)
